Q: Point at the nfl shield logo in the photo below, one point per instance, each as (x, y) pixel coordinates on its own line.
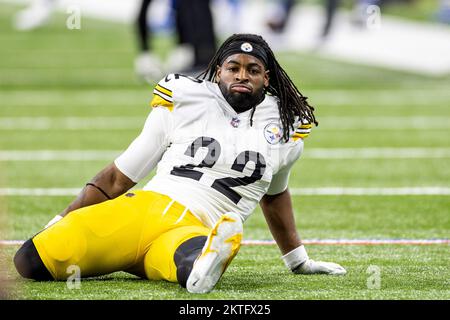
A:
(235, 122)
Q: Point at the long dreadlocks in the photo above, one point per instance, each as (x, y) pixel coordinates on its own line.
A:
(291, 102)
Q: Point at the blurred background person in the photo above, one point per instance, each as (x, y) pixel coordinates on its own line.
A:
(195, 27)
(147, 65)
(277, 23)
(331, 7)
(196, 40)
(280, 18)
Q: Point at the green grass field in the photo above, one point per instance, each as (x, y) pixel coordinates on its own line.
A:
(76, 90)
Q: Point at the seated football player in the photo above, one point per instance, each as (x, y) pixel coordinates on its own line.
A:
(222, 143)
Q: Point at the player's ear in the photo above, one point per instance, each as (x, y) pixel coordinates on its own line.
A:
(266, 78)
(218, 72)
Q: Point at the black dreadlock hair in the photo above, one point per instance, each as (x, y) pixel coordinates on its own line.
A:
(291, 102)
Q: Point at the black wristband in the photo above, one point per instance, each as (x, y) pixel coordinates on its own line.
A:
(100, 189)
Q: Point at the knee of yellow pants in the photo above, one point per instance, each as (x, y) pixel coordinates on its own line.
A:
(99, 239)
(159, 261)
(60, 246)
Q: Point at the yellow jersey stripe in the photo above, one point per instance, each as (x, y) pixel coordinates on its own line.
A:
(163, 90)
(159, 101)
(162, 95)
(297, 136)
(301, 135)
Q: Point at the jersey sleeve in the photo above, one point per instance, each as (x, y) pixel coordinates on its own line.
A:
(302, 130)
(144, 153)
(280, 179)
(163, 94)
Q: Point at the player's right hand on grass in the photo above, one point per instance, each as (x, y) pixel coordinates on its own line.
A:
(319, 267)
(298, 262)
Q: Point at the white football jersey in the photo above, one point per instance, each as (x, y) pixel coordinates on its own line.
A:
(208, 156)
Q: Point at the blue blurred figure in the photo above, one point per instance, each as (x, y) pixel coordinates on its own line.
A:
(360, 13)
(443, 14)
(278, 23)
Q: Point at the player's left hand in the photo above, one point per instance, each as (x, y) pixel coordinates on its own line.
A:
(319, 267)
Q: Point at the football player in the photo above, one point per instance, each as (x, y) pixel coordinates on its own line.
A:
(222, 143)
(195, 36)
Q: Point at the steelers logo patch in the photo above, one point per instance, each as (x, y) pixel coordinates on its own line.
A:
(273, 133)
(246, 47)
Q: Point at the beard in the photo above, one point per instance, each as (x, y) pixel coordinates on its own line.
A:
(239, 101)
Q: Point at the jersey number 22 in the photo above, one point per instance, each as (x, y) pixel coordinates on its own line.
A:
(222, 185)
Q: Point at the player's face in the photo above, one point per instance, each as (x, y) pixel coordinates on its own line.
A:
(242, 79)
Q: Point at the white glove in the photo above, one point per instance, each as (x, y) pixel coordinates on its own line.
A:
(319, 267)
(53, 221)
(298, 262)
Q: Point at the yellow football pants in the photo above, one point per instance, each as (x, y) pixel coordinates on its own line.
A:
(137, 232)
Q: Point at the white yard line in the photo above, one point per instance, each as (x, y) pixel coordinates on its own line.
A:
(363, 242)
(58, 155)
(331, 123)
(39, 192)
(359, 98)
(321, 191)
(376, 153)
(11, 242)
(349, 191)
(342, 242)
(309, 153)
(71, 123)
(393, 123)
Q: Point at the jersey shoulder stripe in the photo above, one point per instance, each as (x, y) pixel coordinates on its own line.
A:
(303, 130)
(162, 96)
(164, 91)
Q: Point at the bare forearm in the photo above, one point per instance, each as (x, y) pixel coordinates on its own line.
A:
(110, 180)
(88, 196)
(280, 218)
